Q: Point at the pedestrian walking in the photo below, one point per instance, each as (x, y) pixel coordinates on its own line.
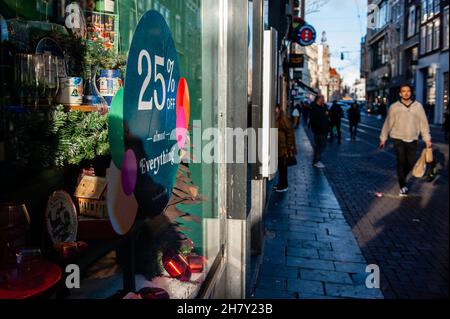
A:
(320, 126)
(305, 112)
(406, 120)
(336, 114)
(354, 117)
(296, 116)
(287, 149)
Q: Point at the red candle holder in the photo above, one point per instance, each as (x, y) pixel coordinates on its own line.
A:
(153, 293)
(70, 249)
(196, 263)
(177, 266)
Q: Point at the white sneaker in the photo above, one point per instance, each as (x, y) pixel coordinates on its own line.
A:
(281, 190)
(319, 165)
(404, 192)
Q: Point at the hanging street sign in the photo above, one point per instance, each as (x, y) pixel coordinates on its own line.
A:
(301, 32)
(307, 35)
(296, 60)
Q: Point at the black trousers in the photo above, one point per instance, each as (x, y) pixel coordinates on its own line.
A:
(353, 129)
(406, 159)
(282, 173)
(336, 125)
(320, 142)
(305, 116)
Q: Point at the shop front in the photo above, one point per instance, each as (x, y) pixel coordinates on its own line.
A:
(431, 85)
(112, 157)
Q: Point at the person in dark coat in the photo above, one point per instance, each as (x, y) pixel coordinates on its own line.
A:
(354, 117)
(305, 112)
(319, 123)
(336, 114)
(286, 147)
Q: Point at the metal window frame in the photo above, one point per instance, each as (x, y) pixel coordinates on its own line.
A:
(232, 261)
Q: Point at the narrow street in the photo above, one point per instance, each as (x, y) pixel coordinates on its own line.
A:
(407, 238)
(310, 251)
(329, 226)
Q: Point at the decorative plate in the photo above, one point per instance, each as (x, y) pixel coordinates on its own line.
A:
(61, 218)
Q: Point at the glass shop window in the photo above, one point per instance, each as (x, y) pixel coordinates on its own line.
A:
(445, 29)
(436, 33)
(50, 132)
(411, 21)
(194, 218)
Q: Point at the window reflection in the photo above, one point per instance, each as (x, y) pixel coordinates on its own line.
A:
(194, 27)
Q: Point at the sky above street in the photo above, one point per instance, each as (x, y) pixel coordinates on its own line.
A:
(345, 24)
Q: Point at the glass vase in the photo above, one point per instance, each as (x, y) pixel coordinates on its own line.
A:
(91, 94)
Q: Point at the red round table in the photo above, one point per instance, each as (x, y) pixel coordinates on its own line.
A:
(26, 283)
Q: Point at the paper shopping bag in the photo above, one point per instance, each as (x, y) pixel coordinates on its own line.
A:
(429, 156)
(421, 165)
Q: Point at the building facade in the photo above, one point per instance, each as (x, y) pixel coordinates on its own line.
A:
(407, 43)
(317, 72)
(358, 90)
(381, 60)
(324, 67)
(334, 86)
(309, 73)
(432, 69)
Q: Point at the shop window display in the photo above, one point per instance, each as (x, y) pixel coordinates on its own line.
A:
(59, 133)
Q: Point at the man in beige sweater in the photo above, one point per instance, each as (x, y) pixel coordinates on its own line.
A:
(405, 122)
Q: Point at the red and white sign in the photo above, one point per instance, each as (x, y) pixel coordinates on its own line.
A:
(307, 35)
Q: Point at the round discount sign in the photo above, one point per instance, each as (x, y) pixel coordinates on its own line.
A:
(149, 165)
(307, 35)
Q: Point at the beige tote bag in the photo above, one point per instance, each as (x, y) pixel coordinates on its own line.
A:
(421, 165)
(429, 156)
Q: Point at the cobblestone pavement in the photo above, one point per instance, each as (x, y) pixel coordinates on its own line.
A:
(407, 238)
(309, 251)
